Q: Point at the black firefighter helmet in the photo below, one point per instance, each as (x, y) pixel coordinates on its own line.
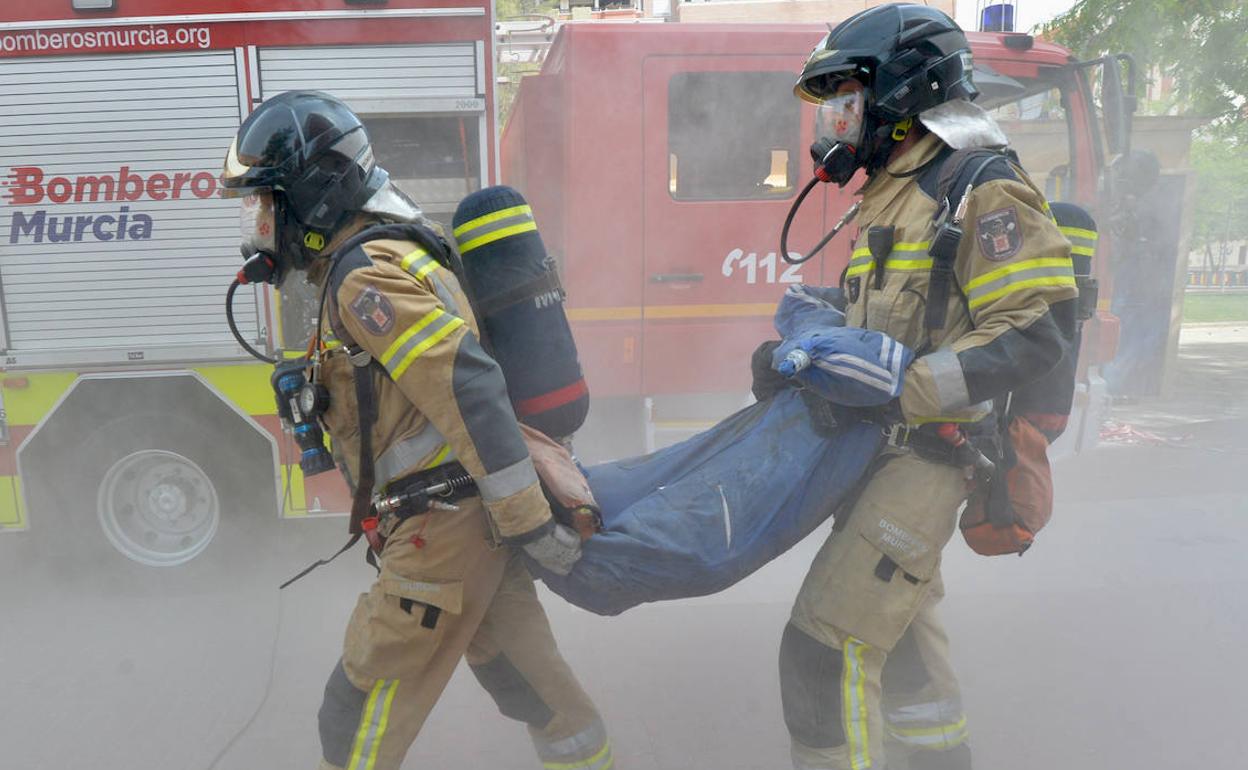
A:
(313, 153)
(909, 57)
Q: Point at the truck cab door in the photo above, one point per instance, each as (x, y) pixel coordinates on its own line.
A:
(725, 153)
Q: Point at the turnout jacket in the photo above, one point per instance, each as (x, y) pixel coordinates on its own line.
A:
(1014, 285)
(439, 396)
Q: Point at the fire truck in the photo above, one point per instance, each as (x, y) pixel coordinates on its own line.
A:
(132, 424)
(661, 160)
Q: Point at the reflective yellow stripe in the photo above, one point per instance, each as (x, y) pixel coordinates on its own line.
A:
(918, 732)
(381, 726)
(584, 763)
(1079, 232)
(917, 246)
(412, 331)
(1086, 251)
(497, 235)
(473, 224)
(440, 457)
(908, 264)
(366, 724)
(1017, 267)
(854, 705)
(419, 263)
(1060, 280)
(424, 345)
(860, 261)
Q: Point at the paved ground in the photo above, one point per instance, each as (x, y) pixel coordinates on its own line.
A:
(1116, 643)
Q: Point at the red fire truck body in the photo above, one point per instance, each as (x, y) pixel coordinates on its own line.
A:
(661, 161)
(131, 418)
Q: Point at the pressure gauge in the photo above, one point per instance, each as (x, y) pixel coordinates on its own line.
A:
(313, 400)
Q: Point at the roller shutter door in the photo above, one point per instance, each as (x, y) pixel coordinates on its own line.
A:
(89, 141)
(371, 72)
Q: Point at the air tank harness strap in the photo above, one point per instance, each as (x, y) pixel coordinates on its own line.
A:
(948, 227)
(548, 282)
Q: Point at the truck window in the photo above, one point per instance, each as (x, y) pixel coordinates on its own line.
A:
(436, 159)
(1039, 132)
(732, 135)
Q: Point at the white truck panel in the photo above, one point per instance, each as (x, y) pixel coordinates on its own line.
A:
(91, 140)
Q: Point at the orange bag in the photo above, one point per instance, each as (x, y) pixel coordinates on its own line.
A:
(1005, 517)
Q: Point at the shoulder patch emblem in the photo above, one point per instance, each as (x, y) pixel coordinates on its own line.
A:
(999, 234)
(373, 310)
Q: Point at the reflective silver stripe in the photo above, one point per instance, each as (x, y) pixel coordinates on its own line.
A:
(444, 293)
(498, 224)
(1018, 277)
(1075, 240)
(937, 712)
(854, 705)
(950, 381)
(939, 737)
(408, 453)
(601, 760)
(502, 484)
(431, 327)
(417, 263)
(421, 265)
(373, 725)
(586, 743)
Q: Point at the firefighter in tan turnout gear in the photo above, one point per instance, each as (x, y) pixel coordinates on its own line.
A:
(413, 401)
(864, 662)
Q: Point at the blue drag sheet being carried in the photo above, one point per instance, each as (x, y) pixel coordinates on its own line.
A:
(697, 517)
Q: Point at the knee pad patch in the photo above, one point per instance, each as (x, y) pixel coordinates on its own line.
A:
(810, 673)
(904, 672)
(515, 697)
(339, 717)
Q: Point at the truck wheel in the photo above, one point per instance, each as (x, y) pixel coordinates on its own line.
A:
(162, 491)
(158, 508)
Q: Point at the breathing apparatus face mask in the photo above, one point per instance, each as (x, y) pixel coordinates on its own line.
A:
(840, 124)
(257, 224)
(269, 240)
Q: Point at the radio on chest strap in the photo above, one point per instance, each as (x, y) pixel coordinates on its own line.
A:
(948, 225)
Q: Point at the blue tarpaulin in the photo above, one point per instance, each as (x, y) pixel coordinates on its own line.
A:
(697, 517)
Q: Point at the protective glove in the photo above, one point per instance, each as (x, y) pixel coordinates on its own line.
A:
(767, 381)
(829, 418)
(557, 549)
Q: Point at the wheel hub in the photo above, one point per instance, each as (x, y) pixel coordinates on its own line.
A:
(158, 508)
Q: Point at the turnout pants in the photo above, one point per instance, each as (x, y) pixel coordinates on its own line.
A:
(444, 593)
(865, 676)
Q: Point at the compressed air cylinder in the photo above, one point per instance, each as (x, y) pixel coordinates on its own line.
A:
(519, 303)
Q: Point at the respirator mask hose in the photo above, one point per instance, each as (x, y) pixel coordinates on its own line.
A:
(835, 162)
(788, 222)
(238, 337)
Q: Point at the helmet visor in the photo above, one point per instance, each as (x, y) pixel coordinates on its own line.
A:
(239, 178)
(840, 117)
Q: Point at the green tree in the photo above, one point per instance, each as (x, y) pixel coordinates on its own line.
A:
(1202, 44)
(1221, 206)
